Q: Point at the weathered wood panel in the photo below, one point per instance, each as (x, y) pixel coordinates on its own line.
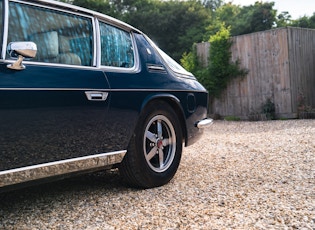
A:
(203, 52)
(281, 66)
(302, 65)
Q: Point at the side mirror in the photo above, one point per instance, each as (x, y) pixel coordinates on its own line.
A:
(21, 50)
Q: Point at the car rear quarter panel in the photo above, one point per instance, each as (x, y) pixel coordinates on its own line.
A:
(131, 92)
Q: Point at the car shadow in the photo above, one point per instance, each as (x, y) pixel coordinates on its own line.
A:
(81, 185)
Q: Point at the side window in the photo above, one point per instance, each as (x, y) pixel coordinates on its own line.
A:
(116, 47)
(60, 37)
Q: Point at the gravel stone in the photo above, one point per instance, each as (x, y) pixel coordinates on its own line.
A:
(240, 175)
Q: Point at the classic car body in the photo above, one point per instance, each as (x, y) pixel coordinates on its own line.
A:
(80, 90)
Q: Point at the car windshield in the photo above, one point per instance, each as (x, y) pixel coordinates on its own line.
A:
(170, 61)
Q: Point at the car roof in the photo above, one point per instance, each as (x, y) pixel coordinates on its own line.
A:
(78, 9)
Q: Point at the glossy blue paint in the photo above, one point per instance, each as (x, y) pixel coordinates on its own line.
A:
(45, 115)
(136, 89)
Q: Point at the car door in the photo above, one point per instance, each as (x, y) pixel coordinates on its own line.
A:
(55, 106)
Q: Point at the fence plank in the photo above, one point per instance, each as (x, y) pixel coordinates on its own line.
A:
(281, 67)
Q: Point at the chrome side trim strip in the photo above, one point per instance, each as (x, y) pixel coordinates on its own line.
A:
(103, 90)
(57, 168)
(52, 89)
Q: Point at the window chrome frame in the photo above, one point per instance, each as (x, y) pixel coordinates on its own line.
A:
(5, 29)
(95, 33)
(97, 42)
(42, 4)
(95, 17)
(136, 67)
(85, 11)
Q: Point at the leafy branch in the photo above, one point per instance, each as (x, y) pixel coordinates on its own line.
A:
(220, 70)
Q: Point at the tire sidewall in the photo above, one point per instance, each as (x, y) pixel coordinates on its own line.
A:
(151, 177)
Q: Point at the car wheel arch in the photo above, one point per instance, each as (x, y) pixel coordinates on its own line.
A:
(174, 102)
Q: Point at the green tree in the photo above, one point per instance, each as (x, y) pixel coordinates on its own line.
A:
(305, 22)
(258, 17)
(229, 15)
(247, 19)
(173, 25)
(212, 4)
(102, 6)
(264, 16)
(312, 21)
(302, 22)
(221, 69)
(284, 19)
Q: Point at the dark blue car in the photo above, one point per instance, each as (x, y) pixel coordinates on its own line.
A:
(81, 91)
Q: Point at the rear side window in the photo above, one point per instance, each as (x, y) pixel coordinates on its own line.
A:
(60, 37)
(116, 47)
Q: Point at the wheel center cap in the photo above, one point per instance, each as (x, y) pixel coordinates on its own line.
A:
(159, 144)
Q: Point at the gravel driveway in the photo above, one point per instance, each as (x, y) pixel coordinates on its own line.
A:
(240, 175)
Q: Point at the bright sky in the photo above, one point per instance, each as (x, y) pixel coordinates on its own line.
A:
(296, 8)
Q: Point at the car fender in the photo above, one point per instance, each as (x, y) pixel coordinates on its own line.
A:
(174, 102)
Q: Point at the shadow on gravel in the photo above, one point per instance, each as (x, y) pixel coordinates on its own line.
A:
(46, 193)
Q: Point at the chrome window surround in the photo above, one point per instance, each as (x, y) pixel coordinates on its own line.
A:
(97, 34)
(136, 66)
(110, 20)
(31, 3)
(5, 28)
(95, 44)
(6, 22)
(94, 16)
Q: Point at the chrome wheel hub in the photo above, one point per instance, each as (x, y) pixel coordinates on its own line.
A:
(159, 143)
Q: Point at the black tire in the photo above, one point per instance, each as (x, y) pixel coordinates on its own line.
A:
(155, 148)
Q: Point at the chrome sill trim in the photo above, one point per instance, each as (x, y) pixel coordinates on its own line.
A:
(57, 168)
(204, 123)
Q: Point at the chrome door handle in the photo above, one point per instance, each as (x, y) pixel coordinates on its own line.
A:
(96, 95)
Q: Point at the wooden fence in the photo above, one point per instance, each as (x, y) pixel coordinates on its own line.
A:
(281, 64)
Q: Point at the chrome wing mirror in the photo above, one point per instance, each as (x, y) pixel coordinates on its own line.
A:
(21, 50)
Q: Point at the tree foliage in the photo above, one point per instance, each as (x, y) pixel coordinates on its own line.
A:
(175, 25)
(304, 22)
(247, 19)
(221, 69)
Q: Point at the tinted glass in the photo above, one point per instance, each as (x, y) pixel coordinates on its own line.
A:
(170, 62)
(116, 47)
(60, 37)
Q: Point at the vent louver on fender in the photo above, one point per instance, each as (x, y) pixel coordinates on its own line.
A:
(156, 68)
